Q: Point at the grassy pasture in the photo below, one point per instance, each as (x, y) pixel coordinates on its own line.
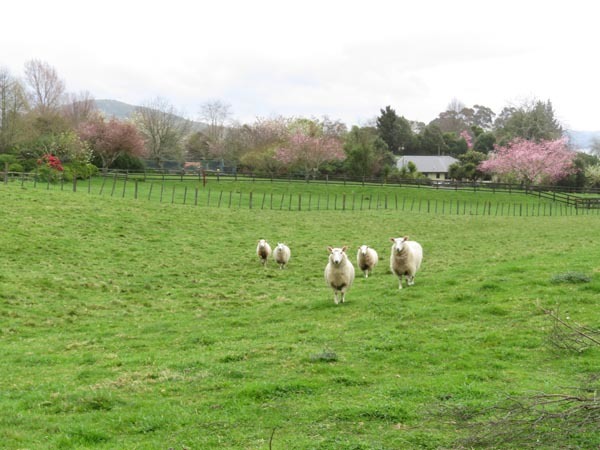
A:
(140, 324)
(226, 192)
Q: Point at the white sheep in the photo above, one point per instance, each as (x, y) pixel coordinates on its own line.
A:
(282, 254)
(263, 250)
(339, 272)
(366, 259)
(405, 259)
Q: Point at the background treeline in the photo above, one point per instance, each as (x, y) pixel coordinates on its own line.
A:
(38, 117)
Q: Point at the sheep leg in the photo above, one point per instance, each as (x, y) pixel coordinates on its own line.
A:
(410, 280)
(335, 297)
(400, 281)
(343, 296)
(367, 273)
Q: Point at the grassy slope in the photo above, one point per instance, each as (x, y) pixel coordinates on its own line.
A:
(143, 325)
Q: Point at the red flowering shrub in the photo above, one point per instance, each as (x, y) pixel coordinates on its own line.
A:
(49, 166)
(51, 162)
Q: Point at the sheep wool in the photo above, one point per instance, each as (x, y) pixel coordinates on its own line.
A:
(282, 254)
(339, 273)
(263, 250)
(366, 259)
(405, 259)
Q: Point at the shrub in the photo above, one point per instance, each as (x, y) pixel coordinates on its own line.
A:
(15, 167)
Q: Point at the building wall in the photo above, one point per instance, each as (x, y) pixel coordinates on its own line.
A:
(437, 176)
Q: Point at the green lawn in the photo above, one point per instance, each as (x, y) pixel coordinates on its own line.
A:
(128, 323)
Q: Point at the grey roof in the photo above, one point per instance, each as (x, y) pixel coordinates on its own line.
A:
(427, 164)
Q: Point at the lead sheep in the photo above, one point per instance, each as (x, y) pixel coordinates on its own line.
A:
(339, 272)
(282, 254)
(366, 259)
(263, 250)
(405, 259)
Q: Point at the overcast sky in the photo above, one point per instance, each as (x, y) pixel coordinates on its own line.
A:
(345, 59)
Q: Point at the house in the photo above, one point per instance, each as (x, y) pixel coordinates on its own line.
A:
(433, 167)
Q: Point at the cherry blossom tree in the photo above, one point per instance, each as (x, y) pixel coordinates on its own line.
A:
(467, 137)
(258, 143)
(309, 153)
(531, 162)
(111, 139)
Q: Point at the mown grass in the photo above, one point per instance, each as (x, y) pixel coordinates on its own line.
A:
(139, 324)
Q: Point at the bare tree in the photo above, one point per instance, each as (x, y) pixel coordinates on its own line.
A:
(163, 130)
(12, 107)
(46, 88)
(215, 114)
(79, 108)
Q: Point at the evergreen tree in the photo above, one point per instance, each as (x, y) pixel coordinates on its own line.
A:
(394, 130)
(532, 121)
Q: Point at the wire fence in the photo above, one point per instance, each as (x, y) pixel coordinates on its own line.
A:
(200, 194)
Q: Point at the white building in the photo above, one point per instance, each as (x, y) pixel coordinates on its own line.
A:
(434, 167)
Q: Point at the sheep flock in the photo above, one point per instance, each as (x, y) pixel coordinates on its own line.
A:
(405, 260)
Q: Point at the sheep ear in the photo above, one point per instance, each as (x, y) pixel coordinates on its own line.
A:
(344, 248)
(392, 239)
(405, 238)
(329, 249)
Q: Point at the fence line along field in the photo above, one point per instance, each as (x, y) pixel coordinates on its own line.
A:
(141, 324)
(299, 196)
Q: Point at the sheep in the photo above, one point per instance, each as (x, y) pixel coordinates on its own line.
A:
(282, 254)
(263, 250)
(366, 259)
(339, 272)
(405, 259)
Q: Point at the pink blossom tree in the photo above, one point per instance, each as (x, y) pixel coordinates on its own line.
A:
(309, 153)
(531, 162)
(111, 139)
(467, 137)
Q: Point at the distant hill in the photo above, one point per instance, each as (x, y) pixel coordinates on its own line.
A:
(582, 140)
(123, 111)
(115, 108)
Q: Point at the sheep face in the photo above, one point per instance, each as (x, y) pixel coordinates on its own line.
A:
(363, 249)
(337, 255)
(399, 245)
(262, 243)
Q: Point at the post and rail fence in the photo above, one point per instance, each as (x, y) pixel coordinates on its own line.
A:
(565, 201)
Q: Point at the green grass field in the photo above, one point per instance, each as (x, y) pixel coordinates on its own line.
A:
(226, 192)
(136, 324)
